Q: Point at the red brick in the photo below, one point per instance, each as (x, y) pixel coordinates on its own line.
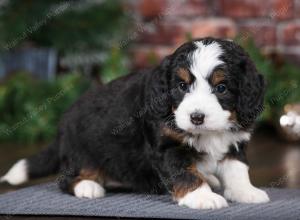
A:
(290, 33)
(168, 23)
(277, 9)
(282, 9)
(244, 8)
(191, 8)
(263, 34)
(212, 27)
(146, 57)
(297, 8)
(167, 34)
(150, 9)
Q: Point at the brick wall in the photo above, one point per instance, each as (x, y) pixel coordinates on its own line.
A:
(162, 25)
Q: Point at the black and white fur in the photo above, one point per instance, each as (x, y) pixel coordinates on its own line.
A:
(138, 131)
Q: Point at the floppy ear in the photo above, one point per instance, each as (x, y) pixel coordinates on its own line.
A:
(158, 102)
(250, 101)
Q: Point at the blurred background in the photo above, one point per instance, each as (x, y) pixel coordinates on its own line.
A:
(52, 51)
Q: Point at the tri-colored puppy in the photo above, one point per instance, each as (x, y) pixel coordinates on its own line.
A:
(181, 128)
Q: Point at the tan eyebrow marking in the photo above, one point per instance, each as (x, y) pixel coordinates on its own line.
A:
(184, 75)
(217, 77)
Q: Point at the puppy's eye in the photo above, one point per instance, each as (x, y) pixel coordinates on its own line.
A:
(183, 86)
(221, 88)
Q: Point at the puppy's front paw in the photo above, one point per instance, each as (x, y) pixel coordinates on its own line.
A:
(88, 189)
(246, 195)
(203, 198)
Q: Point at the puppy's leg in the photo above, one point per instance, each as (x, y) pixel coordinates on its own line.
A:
(88, 184)
(188, 186)
(237, 186)
(193, 191)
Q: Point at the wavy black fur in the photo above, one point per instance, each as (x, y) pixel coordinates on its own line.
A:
(117, 127)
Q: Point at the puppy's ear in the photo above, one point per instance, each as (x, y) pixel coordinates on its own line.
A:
(250, 101)
(158, 96)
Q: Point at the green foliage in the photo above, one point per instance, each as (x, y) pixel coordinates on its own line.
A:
(114, 66)
(282, 82)
(30, 109)
(70, 25)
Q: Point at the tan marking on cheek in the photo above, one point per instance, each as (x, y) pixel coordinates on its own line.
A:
(184, 75)
(217, 77)
(180, 189)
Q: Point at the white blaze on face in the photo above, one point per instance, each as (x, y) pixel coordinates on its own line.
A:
(200, 98)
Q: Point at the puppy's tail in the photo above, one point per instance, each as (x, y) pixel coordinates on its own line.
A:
(42, 164)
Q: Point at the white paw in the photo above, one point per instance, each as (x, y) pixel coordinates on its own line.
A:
(203, 198)
(250, 194)
(88, 189)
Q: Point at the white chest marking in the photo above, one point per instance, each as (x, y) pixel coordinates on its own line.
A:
(215, 145)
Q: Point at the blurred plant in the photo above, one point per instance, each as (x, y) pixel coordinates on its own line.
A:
(114, 66)
(70, 25)
(283, 81)
(30, 109)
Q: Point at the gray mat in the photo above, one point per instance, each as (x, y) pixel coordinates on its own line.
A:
(48, 200)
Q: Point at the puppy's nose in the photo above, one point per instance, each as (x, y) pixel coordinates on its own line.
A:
(197, 118)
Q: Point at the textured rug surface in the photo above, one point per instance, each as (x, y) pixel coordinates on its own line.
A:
(48, 200)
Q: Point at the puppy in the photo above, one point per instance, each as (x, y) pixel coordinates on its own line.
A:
(181, 128)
